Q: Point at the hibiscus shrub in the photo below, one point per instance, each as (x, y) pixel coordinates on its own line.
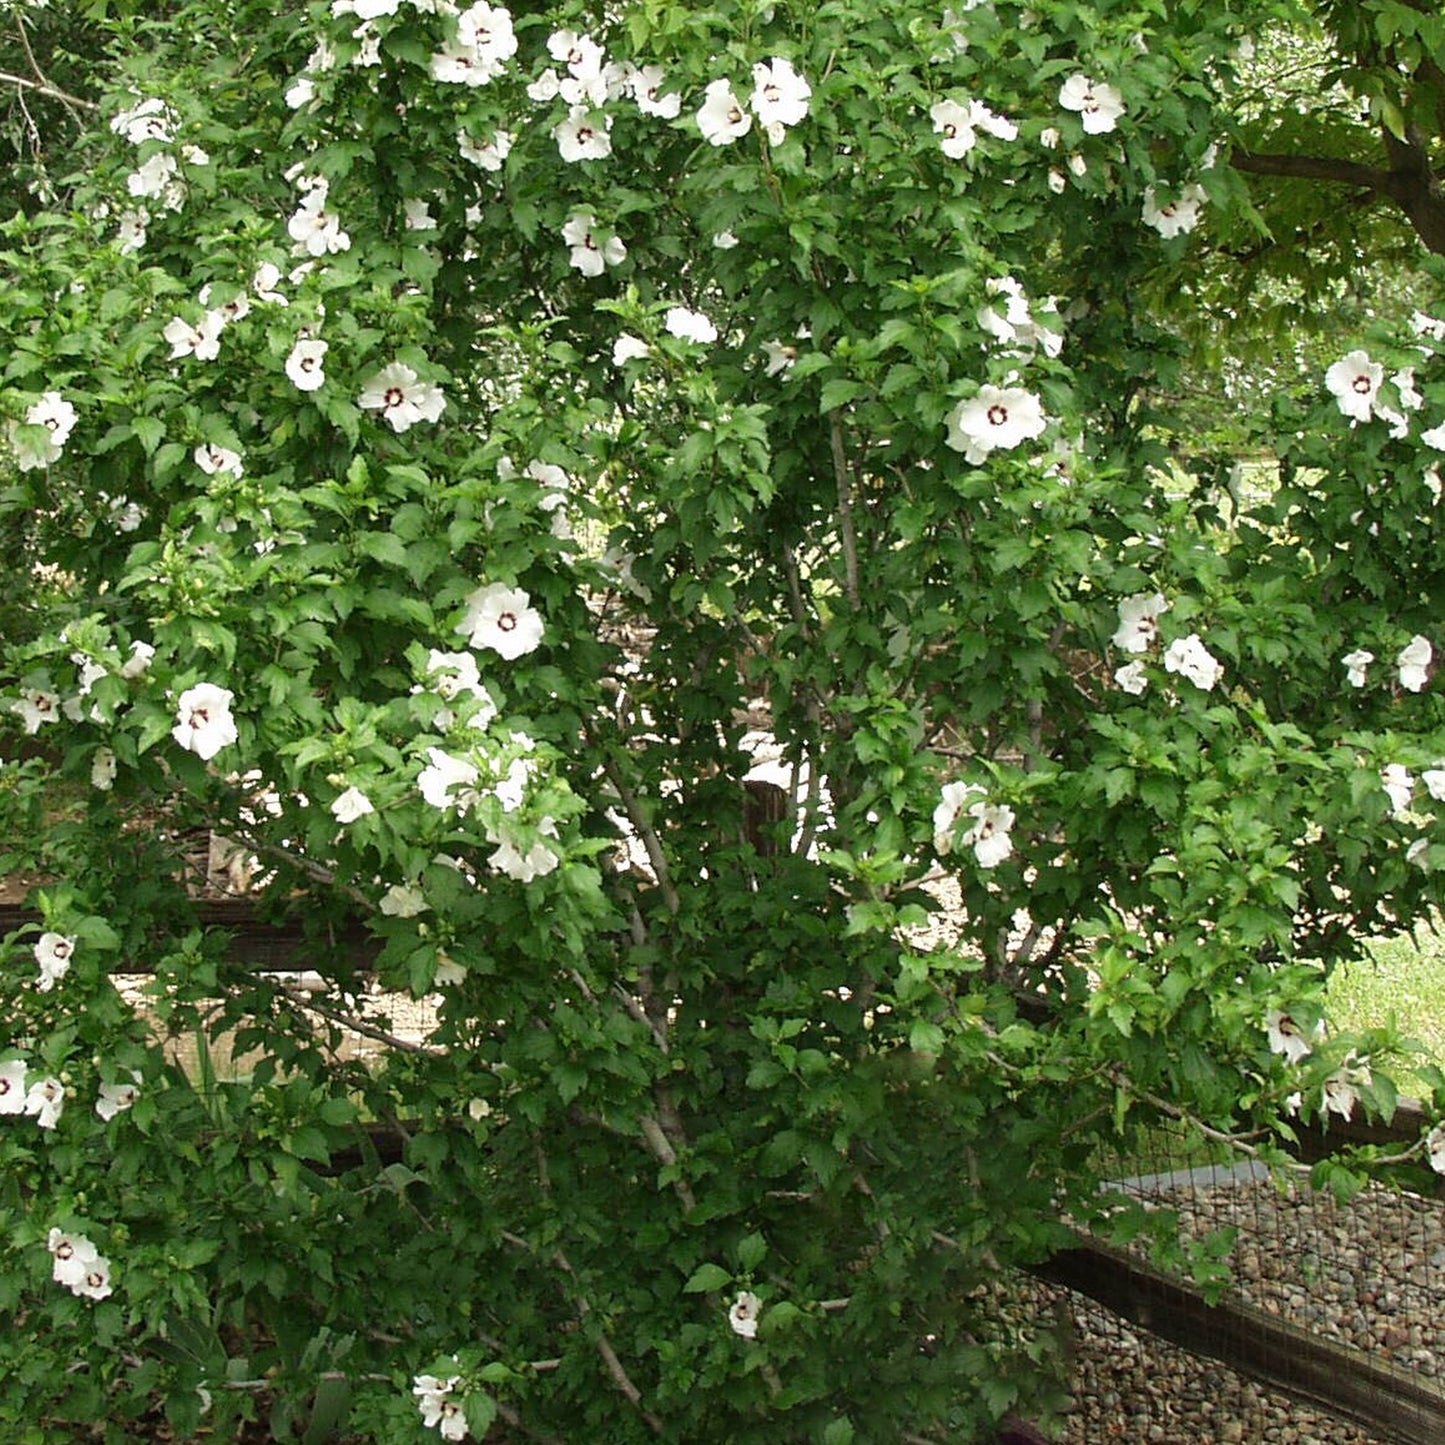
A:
(661, 518)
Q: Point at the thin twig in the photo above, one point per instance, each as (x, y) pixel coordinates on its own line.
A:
(812, 799)
(845, 510)
(638, 1011)
(69, 102)
(660, 1147)
(650, 841)
(317, 872)
(360, 1026)
(796, 606)
(615, 1366)
(40, 88)
(1218, 1136)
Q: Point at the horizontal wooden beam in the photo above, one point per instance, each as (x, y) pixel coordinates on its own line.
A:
(254, 943)
(1391, 1403)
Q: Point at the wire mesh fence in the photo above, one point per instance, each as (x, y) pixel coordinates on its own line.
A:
(1329, 1332)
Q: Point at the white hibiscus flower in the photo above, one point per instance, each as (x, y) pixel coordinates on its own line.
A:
(743, 1315)
(584, 135)
(1354, 382)
(1189, 657)
(12, 1086)
(53, 954)
(488, 154)
(36, 706)
(1139, 621)
(1132, 678)
(204, 724)
(629, 348)
(1355, 664)
(115, 1099)
(780, 97)
(688, 325)
(952, 121)
(1176, 217)
(218, 461)
(201, 339)
(1286, 1037)
(45, 1099)
(997, 419)
(401, 397)
(1098, 104)
(347, 807)
(1413, 663)
(502, 618)
(304, 364)
(646, 87)
(57, 417)
(591, 254)
(722, 118)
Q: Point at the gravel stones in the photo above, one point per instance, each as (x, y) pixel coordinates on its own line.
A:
(1367, 1274)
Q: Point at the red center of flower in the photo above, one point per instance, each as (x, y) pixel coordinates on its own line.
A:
(1360, 384)
(64, 1250)
(200, 717)
(734, 115)
(997, 415)
(394, 396)
(507, 622)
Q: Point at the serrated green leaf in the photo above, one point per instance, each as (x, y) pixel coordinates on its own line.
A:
(150, 432)
(838, 392)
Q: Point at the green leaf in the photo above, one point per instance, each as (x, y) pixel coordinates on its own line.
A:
(706, 1279)
(384, 547)
(839, 392)
(337, 1112)
(150, 431)
(308, 1142)
(752, 1250)
(480, 1411)
(925, 1038)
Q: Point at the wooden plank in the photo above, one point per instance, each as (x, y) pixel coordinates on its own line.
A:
(1392, 1403)
(255, 944)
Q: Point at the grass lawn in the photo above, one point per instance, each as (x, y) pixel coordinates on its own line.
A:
(1403, 976)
